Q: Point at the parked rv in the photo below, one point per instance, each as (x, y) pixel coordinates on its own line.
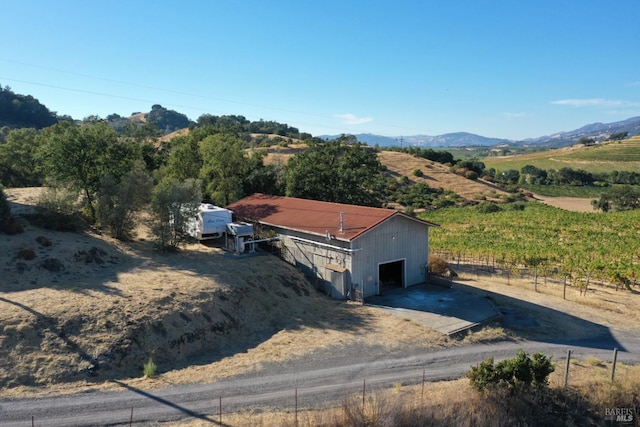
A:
(210, 223)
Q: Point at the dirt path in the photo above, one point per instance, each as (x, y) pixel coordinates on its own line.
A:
(575, 204)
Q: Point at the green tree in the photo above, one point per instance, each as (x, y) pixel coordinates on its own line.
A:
(510, 176)
(119, 201)
(224, 167)
(23, 111)
(339, 171)
(82, 155)
(623, 198)
(586, 141)
(618, 136)
(174, 204)
(184, 160)
(19, 166)
(261, 178)
(166, 120)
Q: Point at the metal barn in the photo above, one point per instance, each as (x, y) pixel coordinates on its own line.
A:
(351, 251)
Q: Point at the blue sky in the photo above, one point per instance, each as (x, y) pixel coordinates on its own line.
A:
(508, 69)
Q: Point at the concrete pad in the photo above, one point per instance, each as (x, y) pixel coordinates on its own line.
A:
(447, 310)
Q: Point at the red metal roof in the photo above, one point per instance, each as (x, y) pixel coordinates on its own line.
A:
(312, 216)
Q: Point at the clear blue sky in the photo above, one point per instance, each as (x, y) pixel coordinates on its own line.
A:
(509, 69)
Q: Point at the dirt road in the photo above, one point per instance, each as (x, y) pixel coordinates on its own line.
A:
(324, 384)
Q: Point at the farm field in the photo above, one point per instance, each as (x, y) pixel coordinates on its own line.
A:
(580, 244)
(604, 157)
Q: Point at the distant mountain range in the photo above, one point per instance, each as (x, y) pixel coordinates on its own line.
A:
(595, 131)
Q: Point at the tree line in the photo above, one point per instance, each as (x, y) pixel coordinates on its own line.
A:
(118, 174)
(18, 111)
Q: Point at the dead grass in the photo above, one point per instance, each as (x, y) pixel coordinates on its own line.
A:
(259, 310)
(91, 322)
(449, 403)
(436, 175)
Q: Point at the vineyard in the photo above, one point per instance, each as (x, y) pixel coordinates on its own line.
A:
(604, 157)
(579, 247)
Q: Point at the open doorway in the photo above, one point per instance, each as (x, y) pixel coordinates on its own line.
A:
(391, 274)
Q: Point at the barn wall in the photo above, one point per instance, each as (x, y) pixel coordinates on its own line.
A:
(312, 258)
(395, 239)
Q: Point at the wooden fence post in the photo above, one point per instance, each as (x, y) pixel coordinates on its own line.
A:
(364, 383)
(566, 369)
(613, 368)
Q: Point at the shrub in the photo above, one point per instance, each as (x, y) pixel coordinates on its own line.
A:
(472, 175)
(12, 227)
(488, 208)
(518, 373)
(417, 172)
(56, 210)
(44, 241)
(517, 206)
(150, 368)
(410, 210)
(53, 265)
(26, 254)
(438, 265)
(5, 209)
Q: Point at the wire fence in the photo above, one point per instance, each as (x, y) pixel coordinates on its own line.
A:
(550, 275)
(361, 397)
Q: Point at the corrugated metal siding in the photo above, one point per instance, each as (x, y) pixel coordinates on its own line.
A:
(398, 238)
(394, 239)
(311, 258)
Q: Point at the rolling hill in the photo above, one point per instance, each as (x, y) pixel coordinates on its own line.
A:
(602, 157)
(596, 131)
(436, 175)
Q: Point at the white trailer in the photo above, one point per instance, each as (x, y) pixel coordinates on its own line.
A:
(210, 223)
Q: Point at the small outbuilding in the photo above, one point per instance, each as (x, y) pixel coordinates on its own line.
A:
(352, 251)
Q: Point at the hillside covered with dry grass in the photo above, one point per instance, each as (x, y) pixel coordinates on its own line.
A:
(82, 308)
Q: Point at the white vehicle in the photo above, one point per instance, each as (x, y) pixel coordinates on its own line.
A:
(210, 223)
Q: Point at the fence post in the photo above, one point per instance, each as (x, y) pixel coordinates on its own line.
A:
(131, 418)
(566, 369)
(220, 409)
(364, 383)
(422, 395)
(613, 368)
